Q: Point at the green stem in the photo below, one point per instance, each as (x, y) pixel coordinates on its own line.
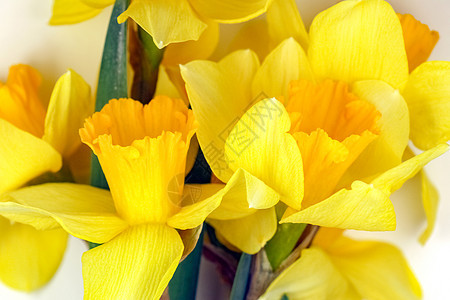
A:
(283, 242)
(112, 82)
(242, 279)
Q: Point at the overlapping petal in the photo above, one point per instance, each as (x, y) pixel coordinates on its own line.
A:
(72, 11)
(137, 264)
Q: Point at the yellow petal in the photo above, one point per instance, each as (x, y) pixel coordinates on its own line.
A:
(142, 151)
(284, 21)
(285, 63)
(428, 96)
(252, 35)
(243, 195)
(137, 264)
(72, 11)
(363, 207)
(376, 270)
(230, 11)
(394, 178)
(21, 105)
(393, 129)
(182, 53)
(69, 105)
(83, 211)
(80, 164)
(28, 257)
(419, 40)
(249, 234)
(430, 200)
(197, 203)
(312, 276)
(219, 94)
(167, 21)
(260, 144)
(23, 157)
(164, 86)
(98, 3)
(357, 40)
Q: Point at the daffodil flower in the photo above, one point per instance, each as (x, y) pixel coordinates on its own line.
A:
(35, 142)
(167, 21)
(142, 151)
(342, 122)
(337, 267)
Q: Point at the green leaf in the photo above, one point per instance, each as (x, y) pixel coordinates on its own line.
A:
(242, 279)
(283, 242)
(112, 81)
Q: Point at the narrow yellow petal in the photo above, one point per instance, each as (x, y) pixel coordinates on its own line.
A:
(21, 105)
(427, 94)
(219, 94)
(430, 200)
(72, 11)
(363, 207)
(284, 21)
(69, 105)
(285, 63)
(394, 178)
(243, 195)
(249, 234)
(164, 85)
(98, 3)
(260, 144)
(358, 40)
(393, 129)
(83, 211)
(184, 52)
(23, 157)
(197, 203)
(312, 276)
(137, 264)
(230, 11)
(419, 40)
(167, 21)
(28, 257)
(142, 151)
(376, 270)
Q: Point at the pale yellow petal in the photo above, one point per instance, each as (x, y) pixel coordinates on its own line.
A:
(167, 21)
(376, 270)
(137, 264)
(358, 40)
(394, 178)
(28, 257)
(98, 3)
(285, 63)
(284, 21)
(249, 234)
(260, 144)
(198, 202)
(252, 35)
(23, 157)
(243, 195)
(164, 86)
(312, 276)
(430, 201)
(230, 11)
(184, 52)
(393, 129)
(219, 94)
(363, 207)
(69, 105)
(72, 11)
(84, 211)
(428, 97)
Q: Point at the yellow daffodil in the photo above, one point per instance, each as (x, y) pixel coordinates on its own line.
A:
(337, 267)
(142, 151)
(342, 122)
(35, 142)
(167, 21)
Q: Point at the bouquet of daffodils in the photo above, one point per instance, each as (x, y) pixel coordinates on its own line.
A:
(256, 151)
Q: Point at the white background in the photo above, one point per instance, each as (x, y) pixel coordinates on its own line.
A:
(25, 37)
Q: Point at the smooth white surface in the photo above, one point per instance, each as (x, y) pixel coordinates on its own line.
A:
(25, 37)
